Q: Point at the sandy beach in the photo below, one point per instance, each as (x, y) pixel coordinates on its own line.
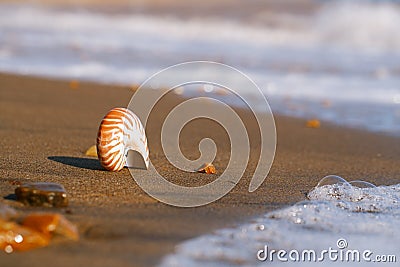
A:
(46, 127)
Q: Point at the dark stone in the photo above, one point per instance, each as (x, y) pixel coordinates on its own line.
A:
(42, 194)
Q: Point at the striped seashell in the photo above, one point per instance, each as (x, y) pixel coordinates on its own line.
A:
(121, 141)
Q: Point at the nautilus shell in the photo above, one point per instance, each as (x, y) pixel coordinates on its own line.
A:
(121, 141)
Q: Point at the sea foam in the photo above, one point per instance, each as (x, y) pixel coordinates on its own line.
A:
(338, 215)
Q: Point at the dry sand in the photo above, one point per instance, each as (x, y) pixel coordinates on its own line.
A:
(46, 127)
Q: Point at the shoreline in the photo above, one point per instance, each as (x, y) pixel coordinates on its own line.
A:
(47, 127)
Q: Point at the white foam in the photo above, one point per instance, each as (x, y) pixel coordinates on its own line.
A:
(360, 24)
(366, 218)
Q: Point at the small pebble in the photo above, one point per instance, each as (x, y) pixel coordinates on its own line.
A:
(42, 194)
(74, 84)
(313, 124)
(207, 168)
(91, 152)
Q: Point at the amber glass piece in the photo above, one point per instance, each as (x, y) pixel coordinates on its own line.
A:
(14, 237)
(51, 223)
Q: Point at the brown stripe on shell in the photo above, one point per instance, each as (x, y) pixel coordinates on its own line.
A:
(110, 147)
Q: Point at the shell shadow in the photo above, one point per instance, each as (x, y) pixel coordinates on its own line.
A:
(84, 163)
(11, 197)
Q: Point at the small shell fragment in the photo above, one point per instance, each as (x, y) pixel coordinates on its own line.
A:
(92, 151)
(313, 123)
(207, 168)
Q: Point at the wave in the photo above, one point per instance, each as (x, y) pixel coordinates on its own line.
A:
(362, 25)
(345, 51)
(357, 24)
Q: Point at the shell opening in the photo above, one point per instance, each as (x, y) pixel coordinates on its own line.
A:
(134, 159)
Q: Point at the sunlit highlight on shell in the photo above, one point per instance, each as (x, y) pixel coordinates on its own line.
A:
(121, 131)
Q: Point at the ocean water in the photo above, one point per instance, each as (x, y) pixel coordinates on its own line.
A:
(356, 223)
(338, 63)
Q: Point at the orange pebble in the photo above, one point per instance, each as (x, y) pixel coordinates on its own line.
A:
(207, 168)
(313, 123)
(74, 84)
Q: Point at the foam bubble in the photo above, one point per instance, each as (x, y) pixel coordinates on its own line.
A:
(362, 184)
(333, 180)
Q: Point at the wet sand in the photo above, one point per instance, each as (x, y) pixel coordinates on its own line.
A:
(46, 127)
(251, 11)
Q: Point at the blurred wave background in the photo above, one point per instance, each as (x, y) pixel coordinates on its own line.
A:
(332, 60)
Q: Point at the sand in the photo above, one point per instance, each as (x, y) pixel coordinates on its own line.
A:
(46, 127)
(253, 11)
